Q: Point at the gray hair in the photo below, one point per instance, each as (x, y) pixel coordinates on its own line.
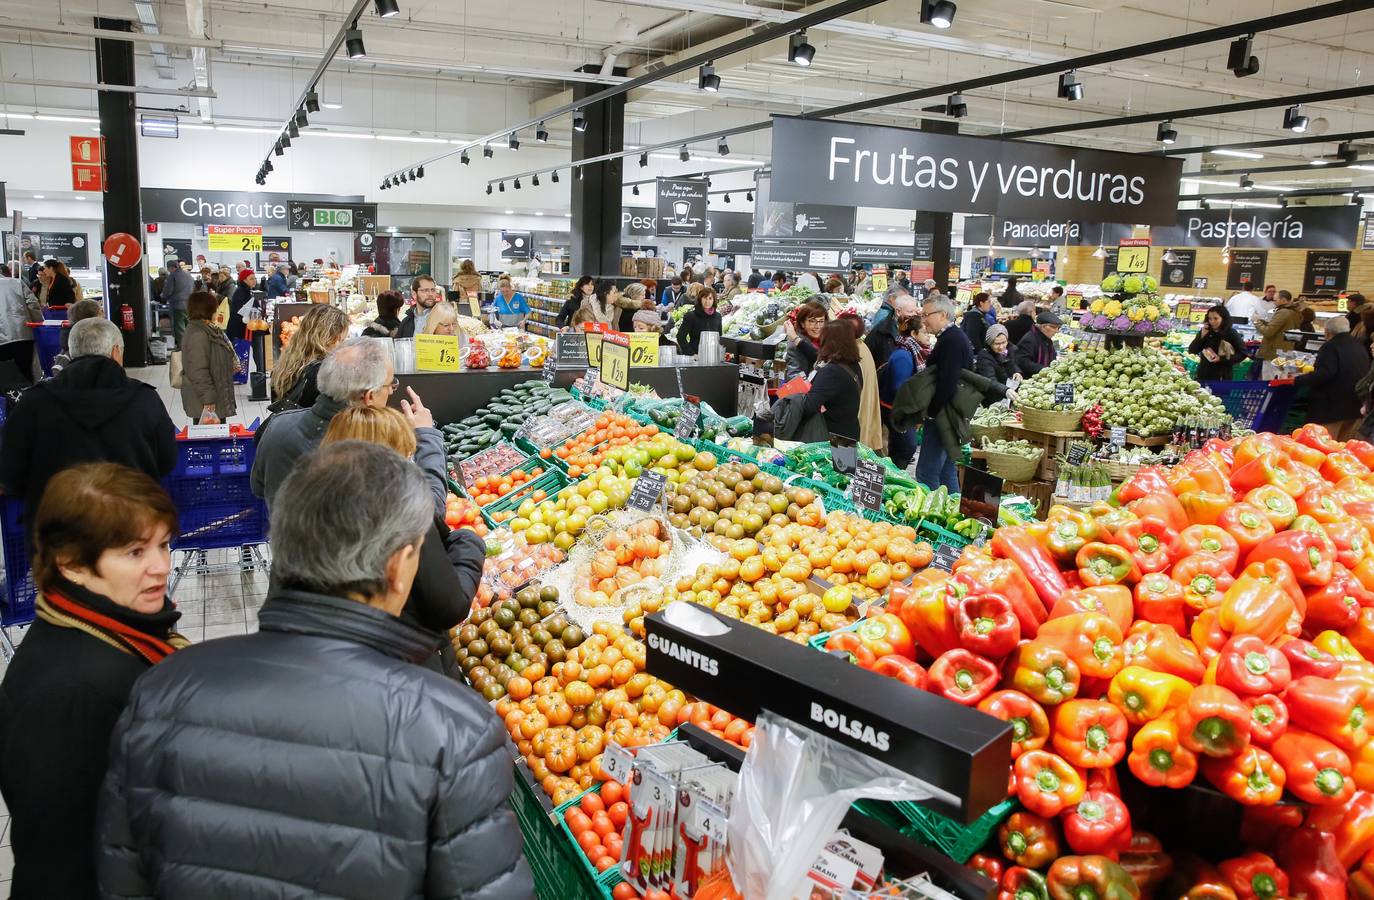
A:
(1026, 308)
(389, 507)
(994, 332)
(1336, 325)
(930, 284)
(98, 337)
(940, 303)
(353, 368)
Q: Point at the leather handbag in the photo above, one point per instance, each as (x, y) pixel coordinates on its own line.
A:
(174, 369)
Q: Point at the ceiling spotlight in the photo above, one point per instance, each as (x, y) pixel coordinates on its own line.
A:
(721, 147)
(1354, 198)
(749, 196)
(1283, 201)
(277, 148)
(420, 172)
(285, 138)
(1246, 184)
(353, 40)
(386, 8)
(1169, 258)
(1346, 153)
(1319, 161)
(635, 190)
(501, 186)
(401, 178)
(535, 181)
(1070, 88)
(1166, 134)
(465, 159)
(302, 119)
(683, 154)
(292, 128)
(727, 198)
(267, 164)
(386, 182)
(707, 79)
(517, 184)
(1294, 120)
(579, 120)
(799, 51)
(487, 151)
(553, 176)
(939, 13)
(312, 102)
(513, 142)
(488, 189)
(1241, 59)
(578, 173)
(541, 134)
(955, 107)
(644, 159)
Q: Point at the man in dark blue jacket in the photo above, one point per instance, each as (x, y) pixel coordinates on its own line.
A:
(276, 284)
(952, 355)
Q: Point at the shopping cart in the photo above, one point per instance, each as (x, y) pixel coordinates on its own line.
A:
(1258, 405)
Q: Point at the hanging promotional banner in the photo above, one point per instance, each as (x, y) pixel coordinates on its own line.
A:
(461, 243)
(791, 257)
(1310, 227)
(775, 220)
(901, 168)
(1368, 241)
(70, 247)
(276, 249)
(1013, 232)
(1176, 268)
(680, 210)
(234, 238)
(229, 207)
(307, 215)
(1326, 271)
(883, 253)
(1246, 269)
(516, 244)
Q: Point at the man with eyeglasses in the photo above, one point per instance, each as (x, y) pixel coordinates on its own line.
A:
(426, 294)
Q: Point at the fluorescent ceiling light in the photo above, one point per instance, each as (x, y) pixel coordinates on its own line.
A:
(356, 135)
(1241, 154)
(327, 105)
(1363, 168)
(411, 140)
(538, 212)
(78, 119)
(245, 129)
(38, 196)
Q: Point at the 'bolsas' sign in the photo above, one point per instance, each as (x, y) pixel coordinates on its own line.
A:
(822, 161)
(1316, 227)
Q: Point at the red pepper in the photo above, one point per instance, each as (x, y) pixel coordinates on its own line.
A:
(1247, 524)
(885, 634)
(1268, 718)
(1311, 557)
(1363, 450)
(1204, 508)
(1158, 759)
(987, 625)
(985, 575)
(1213, 722)
(1159, 599)
(1255, 876)
(1109, 518)
(1045, 783)
(1090, 734)
(1204, 579)
(1029, 840)
(1318, 771)
(1261, 602)
(1249, 666)
(1263, 443)
(1147, 480)
(849, 642)
(1030, 727)
(1112, 600)
(963, 677)
(1197, 472)
(1364, 572)
(1160, 648)
(1338, 711)
(1351, 539)
(1319, 502)
(1275, 471)
(1260, 826)
(1306, 658)
(1100, 563)
(990, 867)
(1152, 544)
(1275, 504)
(1208, 635)
(1212, 540)
(1352, 825)
(1317, 437)
(907, 671)
(1250, 777)
(1020, 883)
(1018, 545)
(1043, 671)
(1162, 505)
(1091, 640)
(1146, 862)
(1308, 857)
(1100, 823)
(1343, 464)
(1336, 606)
(927, 609)
(1102, 780)
(1223, 453)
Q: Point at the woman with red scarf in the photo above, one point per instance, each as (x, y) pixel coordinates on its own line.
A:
(101, 561)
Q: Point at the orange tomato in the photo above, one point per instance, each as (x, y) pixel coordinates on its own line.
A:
(619, 812)
(611, 793)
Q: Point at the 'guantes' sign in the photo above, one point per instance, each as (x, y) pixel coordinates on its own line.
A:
(898, 168)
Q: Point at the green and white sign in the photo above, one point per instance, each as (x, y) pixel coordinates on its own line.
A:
(305, 215)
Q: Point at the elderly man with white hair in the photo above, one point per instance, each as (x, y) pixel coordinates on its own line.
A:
(91, 412)
(1341, 363)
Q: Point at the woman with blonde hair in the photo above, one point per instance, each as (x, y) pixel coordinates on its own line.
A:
(443, 319)
(293, 380)
(451, 561)
(466, 278)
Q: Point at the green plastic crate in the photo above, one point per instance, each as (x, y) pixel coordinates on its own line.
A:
(956, 841)
(556, 874)
(604, 881)
(551, 482)
(817, 641)
(938, 534)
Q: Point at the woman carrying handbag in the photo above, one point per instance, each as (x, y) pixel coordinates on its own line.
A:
(208, 364)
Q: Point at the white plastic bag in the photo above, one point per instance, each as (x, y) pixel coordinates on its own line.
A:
(795, 787)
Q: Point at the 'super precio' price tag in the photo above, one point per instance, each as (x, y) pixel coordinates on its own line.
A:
(615, 365)
(643, 349)
(616, 762)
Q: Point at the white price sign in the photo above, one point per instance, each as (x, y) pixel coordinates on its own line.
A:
(616, 762)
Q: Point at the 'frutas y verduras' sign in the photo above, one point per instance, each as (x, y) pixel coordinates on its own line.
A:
(899, 168)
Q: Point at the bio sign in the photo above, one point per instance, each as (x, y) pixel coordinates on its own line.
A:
(310, 216)
(897, 168)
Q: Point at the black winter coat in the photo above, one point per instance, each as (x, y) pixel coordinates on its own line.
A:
(836, 386)
(999, 371)
(690, 329)
(1221, 369)
(313, 758)
(801, 358)
(59, 702)
(975, 325)
(1341, 363)
(92, 412)
(1018, 327)
(283, 439)
(237, 329)
(1034, 352)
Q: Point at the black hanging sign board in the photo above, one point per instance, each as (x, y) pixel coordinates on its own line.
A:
(844, 458)
(1119, 435)
(980, 495)
(1178, 273)
(1246, 266)
(648, 488)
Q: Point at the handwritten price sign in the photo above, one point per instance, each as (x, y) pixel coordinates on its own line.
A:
(436, 353)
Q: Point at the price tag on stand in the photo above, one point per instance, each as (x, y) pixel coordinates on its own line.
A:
(550, 370)
(880, 282)
(1183, 311)
(436, 353)
(866, 488)
(1133, 256)
(711, 821)
(1198, 315)
(1073, 300)
(1118, 435)
(594, 349)
(845, 459)
(643, 350)
(687, 419)
(207, 431)
(616, 761)
(591, 380)
(615, 364)
(945, 557)
(648, 488)
(1063, 394)
(1078, 454)
(655, 785)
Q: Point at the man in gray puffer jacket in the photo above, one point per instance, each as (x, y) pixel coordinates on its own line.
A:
(315, 758)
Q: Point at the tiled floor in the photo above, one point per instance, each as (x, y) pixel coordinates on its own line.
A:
(219, 593)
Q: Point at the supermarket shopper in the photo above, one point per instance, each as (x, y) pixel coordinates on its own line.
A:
(582, 294)
(647, 321)
(1011, 297)
(443, 319)
(882, 333)
(103, 620)
(904, 362)
(322, 760)
(1020, 325)
(1355, 306)
(1287, 316)
(426, 294)
(701, 318)
(952, 355)
(807, 323)
(18, 307)
(358, 372)
(92, 412)
(871, 432)
(975, 320)
(628, 302)
(1248, 305)
(1342, 363)
(1036, 350)
(837, 383)
(388, 321)
(511, 306)
(243, 306)
(1218, 345)
(467, 280)
(672, 293)
(996, 361)
(208, 364)
(81, 309)
(176, 290)
(277, 285)
(732, 287)
(321, 329)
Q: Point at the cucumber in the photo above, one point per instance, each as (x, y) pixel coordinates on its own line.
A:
(510, 428)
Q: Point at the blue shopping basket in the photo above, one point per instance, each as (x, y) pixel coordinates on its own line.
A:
(210, 487)
(1257, 405)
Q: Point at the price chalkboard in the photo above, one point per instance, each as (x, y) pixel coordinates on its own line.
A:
(1063, 394)
(866, 488)
(648, 488)
(1078, 454)
(615, 365)
(945, 557)
(1119, 435)
(686, 427)
(572, 351)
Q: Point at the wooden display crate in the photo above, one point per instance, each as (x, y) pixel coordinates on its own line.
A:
(1056, 443)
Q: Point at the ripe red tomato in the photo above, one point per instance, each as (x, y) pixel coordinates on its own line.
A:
(577, 820)
(619, 812)
(587, 840)
(614, 846)
(612, 792)
(591, 803)
(606, 862)
(602, 824)
(624, 891)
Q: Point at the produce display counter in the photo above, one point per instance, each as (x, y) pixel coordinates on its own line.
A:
(1056, 444)
(454, 396)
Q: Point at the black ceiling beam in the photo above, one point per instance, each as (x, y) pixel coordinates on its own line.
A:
(1275, 195)
(1276, 142)
(1294, 167)
(1194, 112)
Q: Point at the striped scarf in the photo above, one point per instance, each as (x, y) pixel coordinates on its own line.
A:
(57, 610)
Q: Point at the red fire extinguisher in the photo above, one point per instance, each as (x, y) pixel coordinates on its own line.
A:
(126, 315)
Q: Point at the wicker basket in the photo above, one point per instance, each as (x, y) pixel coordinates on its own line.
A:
(1119, 471)
(990, 432)
(1050, 420)
(1010, 467)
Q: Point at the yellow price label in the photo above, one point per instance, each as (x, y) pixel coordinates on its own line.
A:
(643, 349)
(1198, 315)
(475, 306)
(594, 349)
(1132, 260)
(436, 353)
(880, 283)
(615, 365)
(234, 238)
(1073, 301)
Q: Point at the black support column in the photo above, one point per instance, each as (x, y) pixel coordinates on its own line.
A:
(114, 64)
(939, 225)
(596, 196)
